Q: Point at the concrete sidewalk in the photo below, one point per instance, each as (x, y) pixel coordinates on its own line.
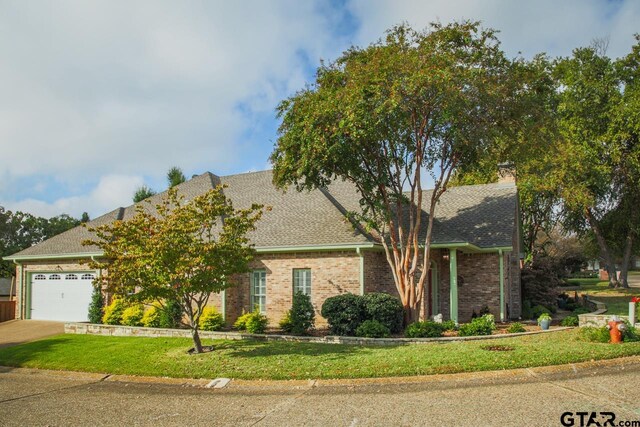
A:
(16, 332)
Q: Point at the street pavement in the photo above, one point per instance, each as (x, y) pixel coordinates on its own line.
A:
(535, 397)
(16, 332)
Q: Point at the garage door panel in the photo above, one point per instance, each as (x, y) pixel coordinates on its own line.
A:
(61, 296)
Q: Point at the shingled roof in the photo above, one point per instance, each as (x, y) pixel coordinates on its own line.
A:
(482, 215)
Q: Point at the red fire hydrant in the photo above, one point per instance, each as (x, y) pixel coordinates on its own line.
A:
(616, 329)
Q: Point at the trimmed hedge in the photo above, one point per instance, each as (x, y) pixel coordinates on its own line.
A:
(346, 312)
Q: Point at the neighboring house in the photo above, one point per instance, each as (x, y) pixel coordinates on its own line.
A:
(6, 290)
(305, 243)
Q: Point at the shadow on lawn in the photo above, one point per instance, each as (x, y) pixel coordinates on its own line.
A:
(21, 353)
(278, 348)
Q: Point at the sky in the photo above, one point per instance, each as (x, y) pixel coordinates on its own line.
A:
(100, 97)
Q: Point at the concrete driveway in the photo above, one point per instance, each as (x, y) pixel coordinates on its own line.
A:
(16, 332)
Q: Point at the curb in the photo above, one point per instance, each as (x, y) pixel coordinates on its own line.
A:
(541, 373)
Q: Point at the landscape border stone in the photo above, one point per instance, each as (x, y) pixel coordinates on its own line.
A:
(135, 331)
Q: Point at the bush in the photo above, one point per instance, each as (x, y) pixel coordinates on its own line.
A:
(426, 329)
(539, 283)
(372, 329)
(593, 334)
(96, 307)
(515, 328)
(581, 310)
(538, 310)
(384, 308)
(211, 320)
(253, 322)
(151, 317)
(484, 325)
(301, 317)
(171, 315)
(285, 322)
(132, 315)
(113, 312)
(526, 310)
(344, 313)
(570, 321)
(449, 325)
(630, 334)
(256, 323)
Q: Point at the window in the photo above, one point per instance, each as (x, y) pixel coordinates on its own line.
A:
(71, 276)
(55, 277)
(259, 290)
(40, 277)
(88, 276)
(302, 280)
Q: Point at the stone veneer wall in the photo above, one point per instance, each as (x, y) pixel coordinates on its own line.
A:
(332, 273)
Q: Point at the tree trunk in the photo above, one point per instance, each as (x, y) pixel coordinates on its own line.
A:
(197, 344)
(626, 260)
(604, 249)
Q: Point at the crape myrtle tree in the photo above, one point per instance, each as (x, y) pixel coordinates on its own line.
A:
(180, 251)
(410, 108)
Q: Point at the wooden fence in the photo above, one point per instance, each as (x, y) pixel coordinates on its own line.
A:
(7, 310)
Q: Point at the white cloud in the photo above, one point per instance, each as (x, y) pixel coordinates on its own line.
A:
(530, 27)
(111, 192)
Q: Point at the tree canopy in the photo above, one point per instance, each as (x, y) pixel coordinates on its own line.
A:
(20, 230)
(180, 251)
(409, 109)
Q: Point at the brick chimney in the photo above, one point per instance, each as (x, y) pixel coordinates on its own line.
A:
(506, 173)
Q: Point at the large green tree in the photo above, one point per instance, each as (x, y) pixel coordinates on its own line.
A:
(20, 230)
(178, 251)
(407, 110)
(597, 170)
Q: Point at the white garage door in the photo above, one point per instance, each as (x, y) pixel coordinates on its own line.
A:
(61, 296)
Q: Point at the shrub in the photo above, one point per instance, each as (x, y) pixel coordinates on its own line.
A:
(426, 329)
(151, 317)
(449, 325)
(241, 322)
(484, 325)
(515, 328)
(526, 310)
(538, 310)
(96, 307)
(171, 315)
(630, 334)
(256, 323)
(539, 283)
(372, 329)
(570, 321)
(593, 334)
(301, 316)
(581, 310)
(113, 312)
(285, 322)
(132, 315)
(384, 308)
(344, 313)
(211, 320)
(253, 322)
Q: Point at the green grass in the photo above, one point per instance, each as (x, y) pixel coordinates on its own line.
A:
(284, 360)
(616, 299)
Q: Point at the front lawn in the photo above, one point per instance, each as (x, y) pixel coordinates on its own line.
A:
(285, 360)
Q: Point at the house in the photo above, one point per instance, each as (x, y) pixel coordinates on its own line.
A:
(305, 243)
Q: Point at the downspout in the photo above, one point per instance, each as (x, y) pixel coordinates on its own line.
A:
(224, 305)
(361, 278)
(501, 258)
(453, 285)
(23, 300)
